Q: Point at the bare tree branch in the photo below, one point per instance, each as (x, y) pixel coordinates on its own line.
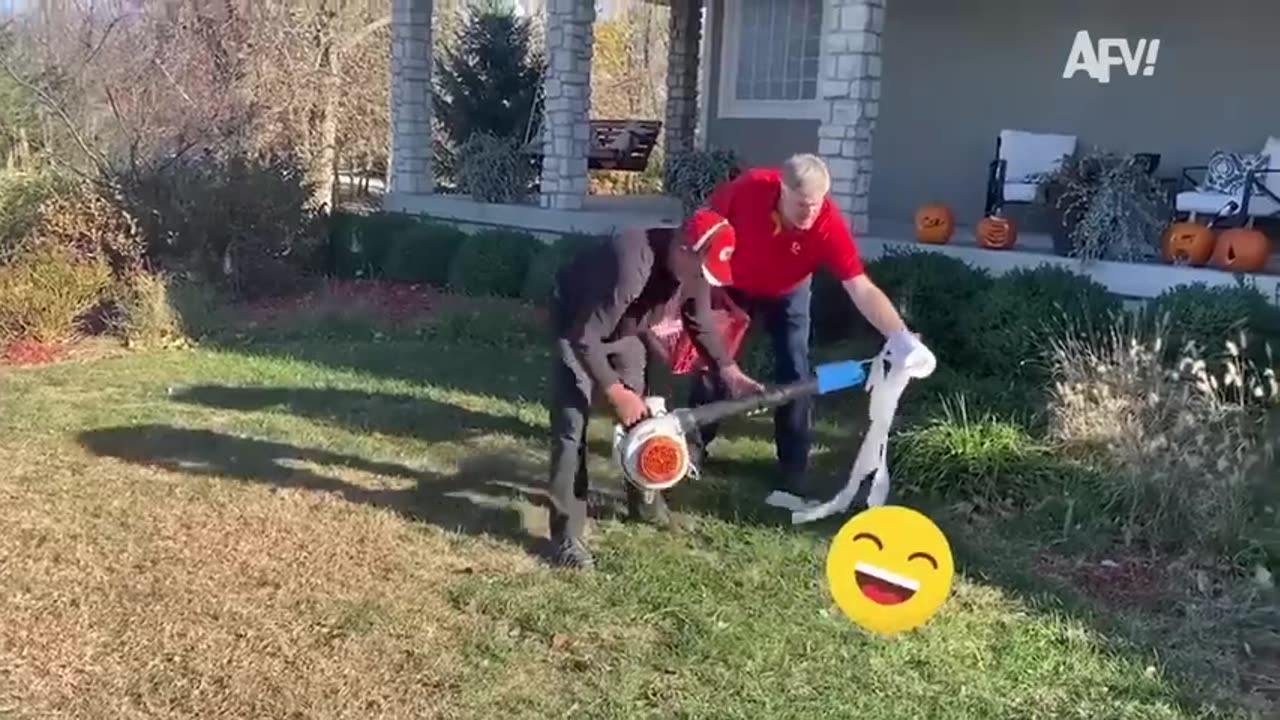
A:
(58, 109)
(365, 33)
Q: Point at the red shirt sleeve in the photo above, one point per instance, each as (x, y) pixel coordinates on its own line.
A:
(841, 255)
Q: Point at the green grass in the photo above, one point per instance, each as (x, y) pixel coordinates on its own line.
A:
(350, 528)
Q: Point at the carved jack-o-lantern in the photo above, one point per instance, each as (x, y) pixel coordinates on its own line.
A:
(934, 224)
(1188, 242)
(997, 233)
(1241, 250)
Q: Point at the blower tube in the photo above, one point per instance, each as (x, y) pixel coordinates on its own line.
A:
(829, 377)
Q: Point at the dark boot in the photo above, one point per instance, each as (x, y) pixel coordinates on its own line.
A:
(655, 513)
(568, 549)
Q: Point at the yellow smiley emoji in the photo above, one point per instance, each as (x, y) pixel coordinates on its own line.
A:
(889, 569)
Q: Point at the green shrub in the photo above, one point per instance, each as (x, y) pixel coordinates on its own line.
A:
(1021, 403)
(931, 291)
(1008, 329)
(242, 221)
(1210, 316)
(46, 291)
(493, 262)
(982, 459)
(832, 316)
(360, 243)
(420, 252)
(548, 261)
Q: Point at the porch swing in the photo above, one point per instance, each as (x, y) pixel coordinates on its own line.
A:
(612, 144)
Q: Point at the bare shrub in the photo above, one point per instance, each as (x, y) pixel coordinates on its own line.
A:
(93, 224)
(166, 310)
(1183, 441)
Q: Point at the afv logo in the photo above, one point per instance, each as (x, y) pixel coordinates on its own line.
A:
(1110, 51)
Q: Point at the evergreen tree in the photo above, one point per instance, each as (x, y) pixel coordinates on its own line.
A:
(487, 79)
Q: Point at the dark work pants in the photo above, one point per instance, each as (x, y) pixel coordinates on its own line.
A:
(571, 394)
(786, 320)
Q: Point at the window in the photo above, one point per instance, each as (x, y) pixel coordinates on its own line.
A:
(770, 58)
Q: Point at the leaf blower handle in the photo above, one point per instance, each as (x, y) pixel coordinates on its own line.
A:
(829, 377)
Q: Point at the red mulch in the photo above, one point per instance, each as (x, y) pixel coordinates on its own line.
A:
(32, 352)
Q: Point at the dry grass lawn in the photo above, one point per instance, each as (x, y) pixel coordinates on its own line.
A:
(348, 528)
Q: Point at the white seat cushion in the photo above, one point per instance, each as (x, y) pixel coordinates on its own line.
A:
(1213, 203)
(1027, 153)
(1021, 192)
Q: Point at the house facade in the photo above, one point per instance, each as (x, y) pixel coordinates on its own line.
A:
(904, 99)
(942, 78)
(844, 116)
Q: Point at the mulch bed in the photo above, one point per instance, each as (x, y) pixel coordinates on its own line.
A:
(394, 301)
(32, 352)
(1131, 583)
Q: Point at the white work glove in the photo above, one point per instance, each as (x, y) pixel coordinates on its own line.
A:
(905, 348)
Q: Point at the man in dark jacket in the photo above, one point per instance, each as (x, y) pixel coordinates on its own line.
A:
(605, 302)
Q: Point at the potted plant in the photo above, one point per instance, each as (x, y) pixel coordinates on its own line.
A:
(1107, 206)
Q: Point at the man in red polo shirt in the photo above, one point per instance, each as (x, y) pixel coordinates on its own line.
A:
(787, 227)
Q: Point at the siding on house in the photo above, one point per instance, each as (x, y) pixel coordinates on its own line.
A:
(757, 142)
(956, 73)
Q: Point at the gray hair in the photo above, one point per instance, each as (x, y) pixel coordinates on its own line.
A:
(806, 173)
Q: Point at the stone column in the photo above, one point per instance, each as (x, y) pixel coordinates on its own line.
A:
(567, 103)
(850, 84)
(681, 122)
(410, 170)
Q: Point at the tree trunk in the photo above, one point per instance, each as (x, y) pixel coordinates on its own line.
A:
(324, 169)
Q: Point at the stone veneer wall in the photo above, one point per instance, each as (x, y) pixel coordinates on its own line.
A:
(850, 82)
(410, 168)
(681, 122)
(567, 103)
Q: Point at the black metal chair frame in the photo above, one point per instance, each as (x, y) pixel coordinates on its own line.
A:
(1233, 213)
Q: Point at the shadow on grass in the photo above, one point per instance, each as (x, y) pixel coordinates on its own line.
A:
(400, 415)
(475, 501)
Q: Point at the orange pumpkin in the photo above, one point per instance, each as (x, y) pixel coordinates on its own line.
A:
(1188, 242)
(934, 224)
(997, 233)
(1242, 250)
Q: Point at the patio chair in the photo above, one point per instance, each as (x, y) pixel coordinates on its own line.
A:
(1020, 155)
(1234, 201)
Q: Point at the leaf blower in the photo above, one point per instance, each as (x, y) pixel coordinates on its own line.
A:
(654, 453)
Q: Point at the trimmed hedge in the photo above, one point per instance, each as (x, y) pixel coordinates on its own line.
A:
(550, 257)
(407, 248)
(423, 252)
(493, 263)
(359, 244)
(1212, 316)
(1008, 328)
(996, 327)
